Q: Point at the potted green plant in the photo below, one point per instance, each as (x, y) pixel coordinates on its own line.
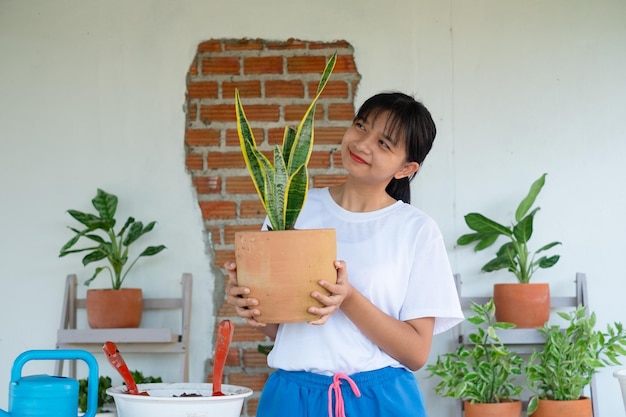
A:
(111, 246)
(280, 260)
(526, 305)
(565, 365)
(482, 371)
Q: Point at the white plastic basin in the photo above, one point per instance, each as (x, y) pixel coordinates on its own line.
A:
(165, 401)
(621, 377)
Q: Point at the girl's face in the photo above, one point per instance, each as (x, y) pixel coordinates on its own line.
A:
(374, 155)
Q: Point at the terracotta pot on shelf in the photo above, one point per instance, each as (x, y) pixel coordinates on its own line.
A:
(525, 305)
(109, 308)
(503, 409)
(574, 408)
(282, 268)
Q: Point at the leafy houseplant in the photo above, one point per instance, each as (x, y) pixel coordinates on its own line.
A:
(293, 261)
(483, 370)
(104, 383)
(114, 246)
(515, 256)
(116, 307)
(571, 356)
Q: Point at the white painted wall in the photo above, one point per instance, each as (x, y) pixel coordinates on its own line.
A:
(91, 95)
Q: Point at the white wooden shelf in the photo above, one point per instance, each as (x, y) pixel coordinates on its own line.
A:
(133, 340)
(524, 341)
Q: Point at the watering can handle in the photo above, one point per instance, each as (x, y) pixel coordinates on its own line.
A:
(62, 354)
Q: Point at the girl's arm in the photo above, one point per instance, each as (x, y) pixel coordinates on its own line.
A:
(245, 306)
(408, 342)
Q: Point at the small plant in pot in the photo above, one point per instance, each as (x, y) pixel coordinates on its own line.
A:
(109, 245)
(526, 305)
(482, 372)
(565, 365)
(287, 257)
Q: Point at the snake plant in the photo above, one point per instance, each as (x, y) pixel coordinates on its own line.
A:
(283, 185)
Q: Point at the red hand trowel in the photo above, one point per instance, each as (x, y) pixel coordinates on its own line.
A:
(224, 336)
(115, 358)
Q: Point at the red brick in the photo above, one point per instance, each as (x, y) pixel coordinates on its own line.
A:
(280, 88)
(210, 46)
(193, 68)
(250, 88)
(202, 137)
(340, 44)
(341, 111)
(215, 235)
(319, 160)
(253, 358)
(192, 112)
(329, 135)
(208, 185)
(232, 137)
(253, 381)
(297, 111)
(263, 65)
(218, 209)
(345, 63)
(245, 333)
(244, 45)
(288, 44)
(335, 89)
(202, 89)
(218, 113)
(337, 163)
(240, 185)
(194, 162)
(223, 256)
(262, 112)
(320, 181)
(305, 64)
(216, 160)
(252, 209)
(220, 65)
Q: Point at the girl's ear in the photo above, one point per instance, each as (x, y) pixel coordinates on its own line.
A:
(407, 170)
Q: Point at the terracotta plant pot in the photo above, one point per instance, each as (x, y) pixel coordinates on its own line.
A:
(503, 409)
(525, 305)
(109, 309)
(282, 268)
(575, 408)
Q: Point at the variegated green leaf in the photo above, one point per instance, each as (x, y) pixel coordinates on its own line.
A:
(296, 192)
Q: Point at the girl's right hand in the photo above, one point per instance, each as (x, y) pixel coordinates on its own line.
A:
(244, 306)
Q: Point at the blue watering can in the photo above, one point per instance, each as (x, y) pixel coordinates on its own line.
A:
(50, 396)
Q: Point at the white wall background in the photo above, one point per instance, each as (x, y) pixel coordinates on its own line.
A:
(91, 95)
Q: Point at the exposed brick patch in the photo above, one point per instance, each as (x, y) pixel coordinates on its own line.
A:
(276, 81)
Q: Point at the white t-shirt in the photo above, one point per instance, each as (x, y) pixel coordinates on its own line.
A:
(397, 259)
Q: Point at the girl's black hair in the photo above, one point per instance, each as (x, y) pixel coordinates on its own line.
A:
(410, 121)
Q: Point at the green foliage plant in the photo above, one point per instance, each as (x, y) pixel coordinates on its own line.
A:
(571, 355)
(514, 255)
(104, 383)
(282, 185)
(483, 370)
(107, 243)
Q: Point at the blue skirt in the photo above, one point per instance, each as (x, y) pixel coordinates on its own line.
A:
(392, 392)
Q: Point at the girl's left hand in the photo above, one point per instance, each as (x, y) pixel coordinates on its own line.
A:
(338, 293)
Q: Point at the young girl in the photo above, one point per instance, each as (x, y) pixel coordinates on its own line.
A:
(394, 287)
